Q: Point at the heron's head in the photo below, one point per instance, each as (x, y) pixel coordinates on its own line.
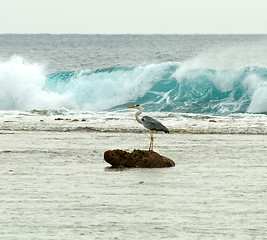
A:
(137, 106)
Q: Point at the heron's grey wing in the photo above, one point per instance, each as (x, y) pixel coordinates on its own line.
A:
(153, 124)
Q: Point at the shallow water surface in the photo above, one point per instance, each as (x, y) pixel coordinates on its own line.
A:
(56, 185)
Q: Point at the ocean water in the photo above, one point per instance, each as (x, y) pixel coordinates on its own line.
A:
(63, 103)
(184, 74)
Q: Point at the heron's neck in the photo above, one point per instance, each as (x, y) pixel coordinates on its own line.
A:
(138, 119)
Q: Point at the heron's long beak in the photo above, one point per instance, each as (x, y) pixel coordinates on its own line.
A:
(130, 107)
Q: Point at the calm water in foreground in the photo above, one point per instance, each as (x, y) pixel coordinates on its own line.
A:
(56, 185)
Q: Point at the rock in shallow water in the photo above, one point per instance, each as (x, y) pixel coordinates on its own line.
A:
(137, 159)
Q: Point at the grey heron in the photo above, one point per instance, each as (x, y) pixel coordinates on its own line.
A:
(150, 123)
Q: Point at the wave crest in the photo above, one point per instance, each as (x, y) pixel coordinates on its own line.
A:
(107, 88)
(174, 87)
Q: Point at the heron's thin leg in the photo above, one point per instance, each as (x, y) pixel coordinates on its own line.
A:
(151, 141)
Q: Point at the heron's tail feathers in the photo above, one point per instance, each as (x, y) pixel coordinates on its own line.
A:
(166, 130)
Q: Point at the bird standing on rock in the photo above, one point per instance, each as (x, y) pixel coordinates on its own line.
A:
(150, 123)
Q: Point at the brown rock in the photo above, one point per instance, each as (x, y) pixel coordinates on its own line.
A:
(137, 159)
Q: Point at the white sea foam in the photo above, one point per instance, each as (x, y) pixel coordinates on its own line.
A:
(22, 87)
(257, 87)
(124, 121)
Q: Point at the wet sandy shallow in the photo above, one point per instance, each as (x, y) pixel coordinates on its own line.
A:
(56, 185)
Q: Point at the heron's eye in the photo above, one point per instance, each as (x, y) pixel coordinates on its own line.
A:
(137, 105)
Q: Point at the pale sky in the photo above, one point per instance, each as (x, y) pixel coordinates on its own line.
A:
(134, 16)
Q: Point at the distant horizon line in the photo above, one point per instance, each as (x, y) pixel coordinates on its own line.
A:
(133, 33)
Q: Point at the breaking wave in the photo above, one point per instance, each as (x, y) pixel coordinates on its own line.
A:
(170, 86)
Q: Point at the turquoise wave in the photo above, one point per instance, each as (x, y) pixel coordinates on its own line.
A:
(171, 87)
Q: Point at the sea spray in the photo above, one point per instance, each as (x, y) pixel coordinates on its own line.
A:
(22, 86)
